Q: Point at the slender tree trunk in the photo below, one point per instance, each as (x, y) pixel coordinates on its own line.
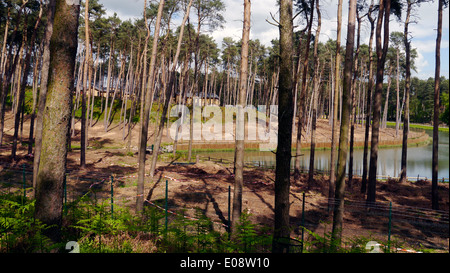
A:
(145, 120)
(35, 94)
(108, 86)
(43, 90)
(384, 10)
(315, 98)
(338, 214)
(301, 104)
(386, 101)
(353, 100)
(86, 85)
(56, 125)
(285, 114)
(337, 66)
(407, 91)
(168, 91)
(368, 103)
(8, 71)
(21, 99)
(397, 105)
(5, 39)
(437, 75)
(240, 119)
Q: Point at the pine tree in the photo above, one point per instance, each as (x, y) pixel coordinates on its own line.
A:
(338, 214)
(240, 120)
(57, 116)
(285, 114)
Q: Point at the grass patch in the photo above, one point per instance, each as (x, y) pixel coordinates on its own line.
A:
(419, 126)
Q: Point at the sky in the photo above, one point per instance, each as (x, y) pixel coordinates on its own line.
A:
(423, 30)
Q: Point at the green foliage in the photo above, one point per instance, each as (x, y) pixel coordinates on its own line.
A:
(91, 224)
(19, 231)
(250, 239)
(317, 243)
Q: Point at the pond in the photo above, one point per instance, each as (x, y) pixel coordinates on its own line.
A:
(389, 159)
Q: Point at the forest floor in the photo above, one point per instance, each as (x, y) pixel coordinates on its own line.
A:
(204, 186)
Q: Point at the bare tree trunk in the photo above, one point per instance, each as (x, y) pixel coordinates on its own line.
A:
(43, 90)
(168, 91)
(8, 71)
(315, 97)
(108, 86)
(407, 91)
(86, 85)
(397, 113)
(35, 94)
(437, 75)
(301, 104)
(338, 214)
(5, 39)
(384, 10)
(337, 66)
(386, 102)
(368, 102)
(145, 120)
(285, 113)
(240, 119)
(353, 101)
(55, 133)
(26, 71)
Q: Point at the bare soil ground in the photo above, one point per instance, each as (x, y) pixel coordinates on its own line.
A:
(205, 185)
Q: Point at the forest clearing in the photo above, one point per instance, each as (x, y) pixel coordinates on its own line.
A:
(111, 126)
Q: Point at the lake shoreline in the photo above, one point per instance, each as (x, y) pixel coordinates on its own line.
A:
(386, 141)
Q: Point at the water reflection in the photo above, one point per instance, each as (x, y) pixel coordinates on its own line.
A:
(389, 159)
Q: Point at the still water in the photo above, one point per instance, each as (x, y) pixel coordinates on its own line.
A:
(389, 159)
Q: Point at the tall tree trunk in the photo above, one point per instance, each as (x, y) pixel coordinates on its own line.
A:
(407, 44)
(386, 101)
(8, 71)
(302, 101)
(108, 86)
(285, 114)
(5, 39)
(337, 66)
(353, 101)
(397, 105)
(384, 10)
(437, 75)
(43, 90)
(35, 94)
(21, 99)
(368, 102)
(169, 92)
(56, 125)
(315, 98)
(338, 214)
(240, 119)
(86, 85)
(145, 120)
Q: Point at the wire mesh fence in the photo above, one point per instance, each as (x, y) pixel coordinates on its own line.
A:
(393, 226)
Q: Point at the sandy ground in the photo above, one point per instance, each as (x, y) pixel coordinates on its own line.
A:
(205, 185)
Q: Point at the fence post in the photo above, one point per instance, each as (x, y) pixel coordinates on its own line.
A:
(24, 185)
(303, 220)
(389, 227)
(112, 197)
(166, 204)
(229, 212)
